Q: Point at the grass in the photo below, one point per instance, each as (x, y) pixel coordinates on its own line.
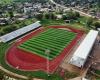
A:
(49, 22)
(97, 78)
(70, 75)
(54, 40)
(74, 24)
(97, 72)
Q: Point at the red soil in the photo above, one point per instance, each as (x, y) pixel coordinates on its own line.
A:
(23, 60)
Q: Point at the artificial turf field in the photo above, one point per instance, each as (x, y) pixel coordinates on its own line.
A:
(29, 52)
(54, 40)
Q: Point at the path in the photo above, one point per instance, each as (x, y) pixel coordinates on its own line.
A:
(12, 74)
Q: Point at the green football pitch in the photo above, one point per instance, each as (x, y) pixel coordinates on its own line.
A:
(48, 44)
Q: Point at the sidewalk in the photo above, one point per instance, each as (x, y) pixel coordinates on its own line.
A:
(77, 78)
(12, 74)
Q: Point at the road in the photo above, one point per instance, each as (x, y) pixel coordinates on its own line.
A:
(82, 13)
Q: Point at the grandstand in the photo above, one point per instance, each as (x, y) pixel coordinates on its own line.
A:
(54, 40)
(81, 54)
(19, 32)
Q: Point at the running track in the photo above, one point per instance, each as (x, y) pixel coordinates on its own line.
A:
(26, 61)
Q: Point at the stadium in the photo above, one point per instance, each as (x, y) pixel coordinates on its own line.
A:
(35, 49)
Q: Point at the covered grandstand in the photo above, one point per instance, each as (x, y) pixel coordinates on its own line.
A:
(19, 32)
(81, 54)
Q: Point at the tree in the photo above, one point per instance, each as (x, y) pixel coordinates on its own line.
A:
(1, 75)
(39, 16)
(72, 15)
(89, 22)
(98, 5)
(52, 16)
(77, 14)
(11, 14)
(97, 25)
(9, 29)
(47, 16)
(5, 2)
(64, 17)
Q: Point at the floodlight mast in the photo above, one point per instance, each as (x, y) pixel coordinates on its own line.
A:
(47, 52)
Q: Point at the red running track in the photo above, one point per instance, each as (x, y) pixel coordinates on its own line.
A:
(26, 61)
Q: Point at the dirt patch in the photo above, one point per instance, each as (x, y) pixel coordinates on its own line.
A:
(65, 29)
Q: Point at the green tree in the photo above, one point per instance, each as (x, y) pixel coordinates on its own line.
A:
(39, 16)
(77, 14)
(89, 22)
(47, 16)
(64, 17)
(52, 16)
(72, 15)
(5, 2)
(69, 15)
(97, 25)
(11, 14)
(98, 5)
(9, 29)
(1, 75)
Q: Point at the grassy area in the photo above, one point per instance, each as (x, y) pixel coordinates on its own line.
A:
(97, 78)
(97, 72)
(70, 75)
(48, 22)
(74, 24)
(54, 40)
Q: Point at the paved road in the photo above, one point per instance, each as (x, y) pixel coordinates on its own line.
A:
(82, 13)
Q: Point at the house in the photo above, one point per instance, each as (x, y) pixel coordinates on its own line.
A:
(19, 17)
(3, 21)
(59, 16)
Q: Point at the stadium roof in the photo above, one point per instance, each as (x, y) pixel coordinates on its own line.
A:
(19, 32)
(84, 49)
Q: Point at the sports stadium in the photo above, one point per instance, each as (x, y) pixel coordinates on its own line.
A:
(35, 49)
(38, 50)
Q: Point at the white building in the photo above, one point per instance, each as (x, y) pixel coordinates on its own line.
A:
(81, 54)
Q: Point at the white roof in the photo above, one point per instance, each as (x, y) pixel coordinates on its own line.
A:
(19, 32)
(98, 29)
(84, 49)
(86, 45)
(84, 79)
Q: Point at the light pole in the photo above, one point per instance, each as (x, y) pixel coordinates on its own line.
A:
(47, 52)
